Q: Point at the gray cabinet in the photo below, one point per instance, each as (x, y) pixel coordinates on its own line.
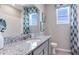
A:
(42, 49)
(30, 53)
(41, 52)
(46, 50)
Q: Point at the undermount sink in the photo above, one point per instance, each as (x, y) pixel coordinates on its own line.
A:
(38, 37)
(32, 41)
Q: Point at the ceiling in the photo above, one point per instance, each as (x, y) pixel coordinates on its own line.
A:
(21, 6)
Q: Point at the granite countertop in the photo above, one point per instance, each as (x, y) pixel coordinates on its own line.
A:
(23, 47)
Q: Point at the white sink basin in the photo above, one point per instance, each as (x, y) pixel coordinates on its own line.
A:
(32, 41)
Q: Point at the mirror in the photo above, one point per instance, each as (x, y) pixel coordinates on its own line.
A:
(27, 20)
(34, 20)
(2, 25)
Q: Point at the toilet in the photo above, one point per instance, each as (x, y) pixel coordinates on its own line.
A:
(53, 48)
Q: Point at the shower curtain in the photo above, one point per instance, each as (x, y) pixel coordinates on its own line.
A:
(73, 27)
(74, 30)
(26, 21)
(27, 11)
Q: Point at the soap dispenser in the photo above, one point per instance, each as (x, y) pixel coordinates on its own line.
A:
(1, 41)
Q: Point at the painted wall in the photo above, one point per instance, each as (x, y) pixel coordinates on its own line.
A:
(60, 33)
(41, 7)
(13, 20)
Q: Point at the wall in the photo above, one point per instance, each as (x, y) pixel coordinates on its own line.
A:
(13, 20)
(41, 7)
(60, 33)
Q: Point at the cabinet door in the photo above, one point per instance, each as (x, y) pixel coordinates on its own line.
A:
(42, 52)
(30, 54)
(39, 51)
(49, 47)
(43, 49)
(46, 51)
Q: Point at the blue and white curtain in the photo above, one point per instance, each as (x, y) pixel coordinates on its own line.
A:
(74, 30)
(26, 21)
(73, 27)
(27, 11)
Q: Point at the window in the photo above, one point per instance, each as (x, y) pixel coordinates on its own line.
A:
(33, 19)
(63, 15)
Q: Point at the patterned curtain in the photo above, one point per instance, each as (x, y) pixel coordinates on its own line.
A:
(27, 11)
(73, 27)
(26, 22)
(74, 30)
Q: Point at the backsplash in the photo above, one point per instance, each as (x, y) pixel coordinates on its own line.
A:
(8, 40)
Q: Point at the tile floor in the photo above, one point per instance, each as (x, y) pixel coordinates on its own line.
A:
(62, 53)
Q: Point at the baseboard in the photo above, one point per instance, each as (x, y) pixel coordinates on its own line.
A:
(63, 50)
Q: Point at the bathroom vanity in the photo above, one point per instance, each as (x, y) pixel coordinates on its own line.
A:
(33, 22)
(30, 46)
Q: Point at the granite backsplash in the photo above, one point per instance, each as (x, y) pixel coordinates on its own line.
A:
(8, 40)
